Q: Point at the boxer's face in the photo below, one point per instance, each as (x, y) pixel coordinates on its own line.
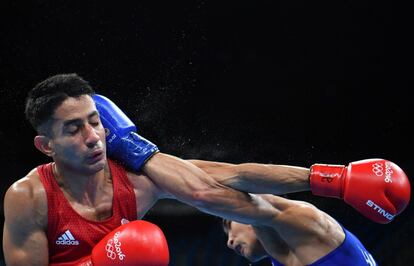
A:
(243, 240)
(77, 138)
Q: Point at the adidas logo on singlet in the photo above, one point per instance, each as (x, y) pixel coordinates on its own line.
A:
(67, 239)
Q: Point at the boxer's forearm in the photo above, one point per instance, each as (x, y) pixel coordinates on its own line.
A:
(187, 183)
(258, 178)
(269, 178)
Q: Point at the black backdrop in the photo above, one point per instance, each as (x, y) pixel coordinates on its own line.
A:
(289, 82)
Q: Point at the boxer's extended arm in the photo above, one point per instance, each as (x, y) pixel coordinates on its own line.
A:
(377, 188)
(184, 181)
(258, 178)
(326, 180)
(24, 239)
(176, 177)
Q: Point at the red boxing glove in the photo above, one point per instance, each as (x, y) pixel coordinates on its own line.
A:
(377, 188)
(138, 243)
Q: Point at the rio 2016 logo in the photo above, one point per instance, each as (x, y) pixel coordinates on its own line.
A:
(113, 248)
(379, 170)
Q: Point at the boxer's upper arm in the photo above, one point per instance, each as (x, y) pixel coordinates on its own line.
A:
(24, 237)
(305, 228)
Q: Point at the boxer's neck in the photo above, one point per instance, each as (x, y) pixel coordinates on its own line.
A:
(82, 188)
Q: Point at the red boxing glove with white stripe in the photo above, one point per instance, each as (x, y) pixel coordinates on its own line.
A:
(137, 243)
(377, 188)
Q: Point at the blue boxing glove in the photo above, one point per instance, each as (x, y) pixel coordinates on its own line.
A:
(122, 142)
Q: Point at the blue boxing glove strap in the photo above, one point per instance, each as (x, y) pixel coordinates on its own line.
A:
(122, 143)
(135, 151)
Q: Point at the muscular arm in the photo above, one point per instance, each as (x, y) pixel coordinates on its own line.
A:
(257, 178)
(309, 232)
(24, 237)
(189, 184)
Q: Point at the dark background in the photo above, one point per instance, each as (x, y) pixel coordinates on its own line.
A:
(287, 82)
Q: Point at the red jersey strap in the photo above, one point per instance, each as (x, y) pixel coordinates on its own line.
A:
(72, 236)
(123, 190)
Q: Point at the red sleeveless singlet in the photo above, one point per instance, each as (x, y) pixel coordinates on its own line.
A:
(72, 236)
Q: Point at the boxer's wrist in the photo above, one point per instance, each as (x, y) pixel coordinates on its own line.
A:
(135, 151)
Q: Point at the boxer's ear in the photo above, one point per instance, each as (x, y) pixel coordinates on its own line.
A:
(43, 144)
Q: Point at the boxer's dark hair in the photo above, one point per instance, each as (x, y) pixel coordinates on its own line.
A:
(47, 95)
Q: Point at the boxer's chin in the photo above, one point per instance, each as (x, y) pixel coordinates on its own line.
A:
(97, 165)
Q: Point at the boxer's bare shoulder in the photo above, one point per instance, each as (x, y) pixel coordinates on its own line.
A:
(27, 198)
(25, 213)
